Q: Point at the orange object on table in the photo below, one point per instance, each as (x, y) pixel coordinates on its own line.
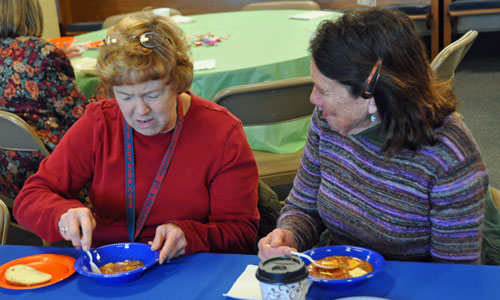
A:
(93, 44)
(61, 41)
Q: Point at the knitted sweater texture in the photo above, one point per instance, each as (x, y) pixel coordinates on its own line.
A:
(424, 205)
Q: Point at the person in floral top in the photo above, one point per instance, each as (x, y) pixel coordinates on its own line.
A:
(37, 83)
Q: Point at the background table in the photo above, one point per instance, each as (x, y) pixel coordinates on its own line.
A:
(261, 46)
(207, 276)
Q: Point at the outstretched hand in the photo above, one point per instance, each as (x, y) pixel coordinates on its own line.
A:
(71, 52)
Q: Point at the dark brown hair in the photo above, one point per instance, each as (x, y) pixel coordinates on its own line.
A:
(410, 100)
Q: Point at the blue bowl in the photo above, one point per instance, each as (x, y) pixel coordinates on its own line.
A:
(117, 253)
(374, 258)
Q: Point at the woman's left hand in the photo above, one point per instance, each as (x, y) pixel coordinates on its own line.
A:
(171, 240)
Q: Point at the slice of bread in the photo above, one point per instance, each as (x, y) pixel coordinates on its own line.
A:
(23, 275)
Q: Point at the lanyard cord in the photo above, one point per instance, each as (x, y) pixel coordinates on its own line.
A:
(133, 229)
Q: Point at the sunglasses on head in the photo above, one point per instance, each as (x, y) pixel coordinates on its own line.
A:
(147, 39)
(372, 80)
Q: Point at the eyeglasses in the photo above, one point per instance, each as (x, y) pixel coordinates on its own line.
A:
(147, 39)
(370, 82)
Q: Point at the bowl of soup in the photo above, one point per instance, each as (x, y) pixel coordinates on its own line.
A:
(352, 266)
(119, 263)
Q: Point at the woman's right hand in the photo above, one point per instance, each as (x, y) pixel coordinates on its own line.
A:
(278, 242)
(76, 225)
(71, 52)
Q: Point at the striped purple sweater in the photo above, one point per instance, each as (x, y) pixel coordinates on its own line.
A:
(414, 205)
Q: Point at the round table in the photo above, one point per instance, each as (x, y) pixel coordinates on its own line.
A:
(257, 46)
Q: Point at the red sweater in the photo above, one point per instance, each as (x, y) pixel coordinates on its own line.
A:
(210, 190)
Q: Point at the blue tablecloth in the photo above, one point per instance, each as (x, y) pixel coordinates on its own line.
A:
(207, 276)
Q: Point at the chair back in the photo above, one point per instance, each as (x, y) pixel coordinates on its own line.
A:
(4, 223)
(448, 59)
(304, 5)
(268, 102)
(16, 134)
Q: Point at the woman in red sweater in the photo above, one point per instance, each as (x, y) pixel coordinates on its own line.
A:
(164, 166)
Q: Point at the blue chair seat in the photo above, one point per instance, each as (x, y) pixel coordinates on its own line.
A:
(83, 27)
(411, 9)
(471, 4)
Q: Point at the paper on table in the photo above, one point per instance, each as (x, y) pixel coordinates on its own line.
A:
(204, 64)
(247, 287)
(86, 65)
(182, 19)
(311, 15)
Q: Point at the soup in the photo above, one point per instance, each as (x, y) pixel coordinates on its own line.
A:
(124, 266)
(346, 267)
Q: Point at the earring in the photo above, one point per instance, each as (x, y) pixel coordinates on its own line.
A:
(373, 118)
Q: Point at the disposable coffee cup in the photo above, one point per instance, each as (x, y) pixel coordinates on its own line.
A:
(282, 277)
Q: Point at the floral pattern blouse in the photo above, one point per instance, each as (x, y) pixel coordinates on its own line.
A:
(37, 83)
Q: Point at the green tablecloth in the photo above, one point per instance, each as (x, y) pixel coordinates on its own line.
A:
(260, 46)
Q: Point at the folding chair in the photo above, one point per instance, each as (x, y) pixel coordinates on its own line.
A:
(16, 134)
(448, 59)
(265, 104)
(461, 15)
(495, 195)
(4, 222)
(425, 15)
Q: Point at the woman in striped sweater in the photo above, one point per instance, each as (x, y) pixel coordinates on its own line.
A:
(388, 164)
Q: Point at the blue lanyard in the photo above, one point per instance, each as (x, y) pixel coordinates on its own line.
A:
(133, 229)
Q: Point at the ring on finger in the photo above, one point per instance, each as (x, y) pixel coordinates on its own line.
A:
(64, 229)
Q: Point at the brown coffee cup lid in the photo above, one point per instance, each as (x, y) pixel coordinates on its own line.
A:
(281, 269)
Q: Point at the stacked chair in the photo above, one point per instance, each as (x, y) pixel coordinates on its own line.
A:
(462, 15)
(495, 195)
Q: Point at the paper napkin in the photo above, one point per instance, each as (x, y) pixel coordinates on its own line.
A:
(206, 64)
(247, 287)
(86, 65)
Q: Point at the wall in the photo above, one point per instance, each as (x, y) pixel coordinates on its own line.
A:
(73, 11)
(50, 19)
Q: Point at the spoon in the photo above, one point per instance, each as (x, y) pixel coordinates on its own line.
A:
(313, 261)
(93, 266)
